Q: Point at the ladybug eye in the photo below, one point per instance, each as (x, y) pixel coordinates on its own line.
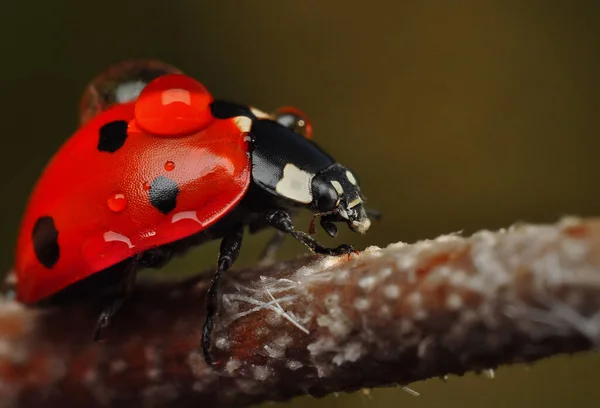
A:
(120, 83)
(295, 120)
(326, 196)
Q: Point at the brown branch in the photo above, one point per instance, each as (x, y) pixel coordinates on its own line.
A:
(389, 316)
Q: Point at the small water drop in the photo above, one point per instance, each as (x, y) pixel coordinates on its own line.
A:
(147, 186)
(169, 166)
(117, 202)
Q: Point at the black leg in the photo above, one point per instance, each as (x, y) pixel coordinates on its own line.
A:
(115, 300)
(268, 255)
(228, 253)
(106, 315)
(282, 221)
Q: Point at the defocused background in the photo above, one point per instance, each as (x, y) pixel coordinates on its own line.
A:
(455, 115)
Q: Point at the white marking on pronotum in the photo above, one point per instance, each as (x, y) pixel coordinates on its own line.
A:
(350, 177)
(260, 114)
(185, 215)
(175, 95)
(338, 187)
(295, 184)
(110, 236)
(244, 123)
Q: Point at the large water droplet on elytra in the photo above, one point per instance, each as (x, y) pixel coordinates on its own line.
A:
(117, 202)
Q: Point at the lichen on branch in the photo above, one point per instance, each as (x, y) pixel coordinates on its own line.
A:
(317, 325)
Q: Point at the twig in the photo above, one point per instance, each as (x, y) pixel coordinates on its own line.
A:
(316, 326)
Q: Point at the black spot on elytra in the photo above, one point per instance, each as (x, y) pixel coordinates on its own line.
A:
(112, 136)
(45, 241)
(226, 110)
(163, 194)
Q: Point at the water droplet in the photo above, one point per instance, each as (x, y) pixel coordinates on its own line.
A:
(169, 166)
(147, 186)
(117, 202)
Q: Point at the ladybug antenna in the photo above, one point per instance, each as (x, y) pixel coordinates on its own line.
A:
(373, 213)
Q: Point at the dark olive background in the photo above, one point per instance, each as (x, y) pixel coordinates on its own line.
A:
(456, 116)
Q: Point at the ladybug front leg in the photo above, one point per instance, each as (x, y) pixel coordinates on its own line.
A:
(228, 253)
(281, 220)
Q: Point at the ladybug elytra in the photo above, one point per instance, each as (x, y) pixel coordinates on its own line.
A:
(158, 166)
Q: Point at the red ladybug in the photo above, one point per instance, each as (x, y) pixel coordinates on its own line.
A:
(158, 166)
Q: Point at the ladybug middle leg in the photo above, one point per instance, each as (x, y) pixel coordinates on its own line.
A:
(228, 253)
(151, 258)
(117, 298)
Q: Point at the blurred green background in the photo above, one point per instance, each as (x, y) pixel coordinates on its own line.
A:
(456, 116)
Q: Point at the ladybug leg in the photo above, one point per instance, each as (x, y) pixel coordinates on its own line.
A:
(281, 220)
(106, 315)
(268, 255)
(116, 299)
(228, 253)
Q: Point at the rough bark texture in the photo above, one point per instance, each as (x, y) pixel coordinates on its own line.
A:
(319, 325)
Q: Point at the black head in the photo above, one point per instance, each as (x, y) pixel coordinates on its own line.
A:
(337, 196)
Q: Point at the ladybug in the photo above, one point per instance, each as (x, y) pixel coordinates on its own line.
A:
(158, 166)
